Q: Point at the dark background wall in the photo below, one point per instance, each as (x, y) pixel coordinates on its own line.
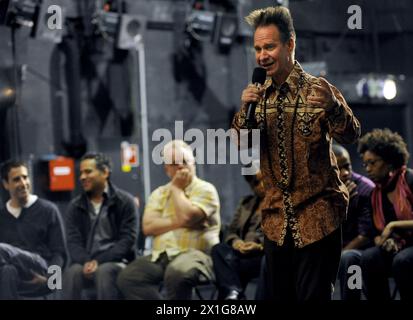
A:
(107, 100)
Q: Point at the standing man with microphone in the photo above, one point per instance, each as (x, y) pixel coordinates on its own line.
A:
(305, 201)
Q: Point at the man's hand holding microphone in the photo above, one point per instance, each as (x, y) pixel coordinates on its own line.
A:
(252, 94)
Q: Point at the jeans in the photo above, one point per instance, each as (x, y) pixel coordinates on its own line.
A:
(16, 270)
(348, 258)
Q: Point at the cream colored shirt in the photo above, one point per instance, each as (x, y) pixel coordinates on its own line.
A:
(203, 195)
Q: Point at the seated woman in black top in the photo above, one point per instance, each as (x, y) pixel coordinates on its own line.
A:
(385, 157)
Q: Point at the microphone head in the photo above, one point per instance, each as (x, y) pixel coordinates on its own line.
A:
(259, 75)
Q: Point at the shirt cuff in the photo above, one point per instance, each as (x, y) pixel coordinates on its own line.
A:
(335, 111)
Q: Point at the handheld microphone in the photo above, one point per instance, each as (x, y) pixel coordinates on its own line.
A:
(258, 78)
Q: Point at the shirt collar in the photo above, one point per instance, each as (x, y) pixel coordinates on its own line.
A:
(32, 199)
(291, 81)
(106, 192)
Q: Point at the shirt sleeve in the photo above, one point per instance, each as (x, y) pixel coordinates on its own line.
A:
(343, 125)
(155, 201)
(205, 197)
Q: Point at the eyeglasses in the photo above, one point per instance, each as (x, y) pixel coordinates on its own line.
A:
(371, 163)
(176, 162)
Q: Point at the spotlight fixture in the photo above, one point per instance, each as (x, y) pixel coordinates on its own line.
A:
(389, 89)
(125, 30)
(7, 88)
(130, 31)
(107, 23)
(49, 22)
(41, 17)
(226, 27)
(19, 12)
(377, 87)
(200, 24)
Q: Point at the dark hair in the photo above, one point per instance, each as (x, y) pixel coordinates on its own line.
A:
(10, 164)
(388, 145)
(102, 161)
(278, 16)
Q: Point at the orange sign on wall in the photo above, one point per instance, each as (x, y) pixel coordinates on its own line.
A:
(62, 174)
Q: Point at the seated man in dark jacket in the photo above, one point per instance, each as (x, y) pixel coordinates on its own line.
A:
(102, 225)
(238, 259)
(31, 236)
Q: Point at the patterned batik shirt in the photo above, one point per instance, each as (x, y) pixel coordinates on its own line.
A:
(305, 195)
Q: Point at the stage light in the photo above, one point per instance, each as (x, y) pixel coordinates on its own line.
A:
(7, 88)
(8, 92)
(226, 28)
(283, 3)
(130, 31)
(36, 16)
(377, 87)
(19, 12)
(125, 30)
(389, 89)
(42, 28)
(200, 24)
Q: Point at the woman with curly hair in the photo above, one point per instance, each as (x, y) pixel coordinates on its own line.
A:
(385, 157)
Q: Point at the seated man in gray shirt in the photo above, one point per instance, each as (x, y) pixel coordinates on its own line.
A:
(102, 226)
